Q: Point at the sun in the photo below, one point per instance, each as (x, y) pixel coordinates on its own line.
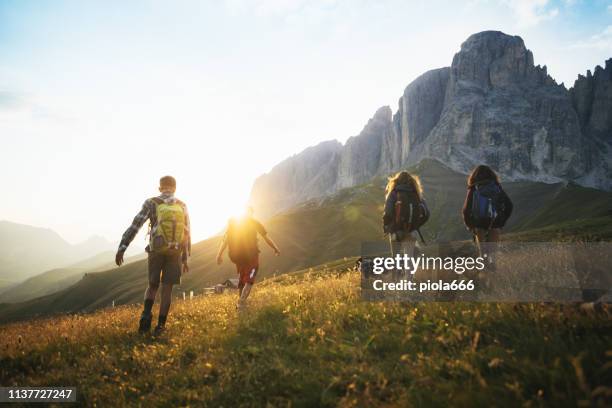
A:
(211, 208)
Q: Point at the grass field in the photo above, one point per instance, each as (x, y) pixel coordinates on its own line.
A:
(308, 340)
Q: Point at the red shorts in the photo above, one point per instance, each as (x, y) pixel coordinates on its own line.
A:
(247, 271)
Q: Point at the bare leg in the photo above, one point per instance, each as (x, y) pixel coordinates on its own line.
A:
(481, 236)
(244, 294)
(493, 242)
(392, 244)
(392, 248)
(151, 291)
(166, 299)
(407, 246)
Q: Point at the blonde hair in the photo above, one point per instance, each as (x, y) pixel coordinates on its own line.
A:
(404, 178)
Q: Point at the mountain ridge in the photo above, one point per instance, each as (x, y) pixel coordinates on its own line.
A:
(27, 250)
(492, 105)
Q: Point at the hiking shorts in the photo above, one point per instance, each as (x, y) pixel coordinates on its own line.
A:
(247, 271)
(164, 268)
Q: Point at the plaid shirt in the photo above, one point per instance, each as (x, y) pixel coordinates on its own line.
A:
(147, 212)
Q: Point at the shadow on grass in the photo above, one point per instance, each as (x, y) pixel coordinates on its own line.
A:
(265, 363)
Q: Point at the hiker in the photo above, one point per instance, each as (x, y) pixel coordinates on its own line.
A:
(168, 249)
(241, 239)
(486, 209)
(405, 212)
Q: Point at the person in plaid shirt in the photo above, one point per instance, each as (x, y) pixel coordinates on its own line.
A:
(163, 268)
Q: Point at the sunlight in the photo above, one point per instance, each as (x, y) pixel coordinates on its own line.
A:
(211, 207)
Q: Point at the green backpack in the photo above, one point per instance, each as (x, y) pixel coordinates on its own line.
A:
(168, 233)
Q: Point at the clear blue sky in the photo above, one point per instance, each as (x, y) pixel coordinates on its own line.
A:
(98, 99)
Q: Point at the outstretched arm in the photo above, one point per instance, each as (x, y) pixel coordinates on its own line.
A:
(130, 233)
(271, 244)
(221, 251)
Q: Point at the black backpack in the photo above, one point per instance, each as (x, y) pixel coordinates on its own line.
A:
(241, 241)
(411, 212)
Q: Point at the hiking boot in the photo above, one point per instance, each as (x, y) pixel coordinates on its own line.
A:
(159, 330)
(145, 323)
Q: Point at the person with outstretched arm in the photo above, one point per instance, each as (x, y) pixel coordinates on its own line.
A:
(168, 250)
(241, 239)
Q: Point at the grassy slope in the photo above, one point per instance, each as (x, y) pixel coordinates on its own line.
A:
(308, 339)
(334, 227)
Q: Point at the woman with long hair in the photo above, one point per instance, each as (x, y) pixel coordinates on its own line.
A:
(486, 209)
(405, 211)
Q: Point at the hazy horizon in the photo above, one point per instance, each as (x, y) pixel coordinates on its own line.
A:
(98, 100)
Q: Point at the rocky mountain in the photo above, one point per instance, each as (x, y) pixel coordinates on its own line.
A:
(492, 105)
(592, 100)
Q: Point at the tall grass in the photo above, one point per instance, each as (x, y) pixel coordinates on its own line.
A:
(308, 340)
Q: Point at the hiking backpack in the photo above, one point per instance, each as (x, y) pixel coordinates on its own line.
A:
(241, 241)
(486, 204)
(411, 212)
(168, 232)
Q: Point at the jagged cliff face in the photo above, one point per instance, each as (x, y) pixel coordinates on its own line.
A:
(502, 110)
(310, 174)
(592, 99)
(362, 155)
(492, 106)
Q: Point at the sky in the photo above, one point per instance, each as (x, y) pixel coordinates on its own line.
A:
(98, 99)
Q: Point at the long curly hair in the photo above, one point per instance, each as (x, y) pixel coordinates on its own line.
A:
(404, 178)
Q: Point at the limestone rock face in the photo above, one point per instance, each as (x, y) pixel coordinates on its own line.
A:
(491, 106)
(361, 154)
(592, 100)
(420, 108)
(502, 110)
(310, 174)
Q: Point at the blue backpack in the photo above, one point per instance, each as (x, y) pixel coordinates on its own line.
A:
(486, 204)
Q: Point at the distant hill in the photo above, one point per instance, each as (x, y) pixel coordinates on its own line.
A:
(56, 280)
(331, 228)
(5, 284)
(26, 251)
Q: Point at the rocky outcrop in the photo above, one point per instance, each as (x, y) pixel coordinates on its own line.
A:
(592, 99)
(310, 174)
(419, 110)
(380, 148)
(361, 155)
(492, 105)
(502, 110)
